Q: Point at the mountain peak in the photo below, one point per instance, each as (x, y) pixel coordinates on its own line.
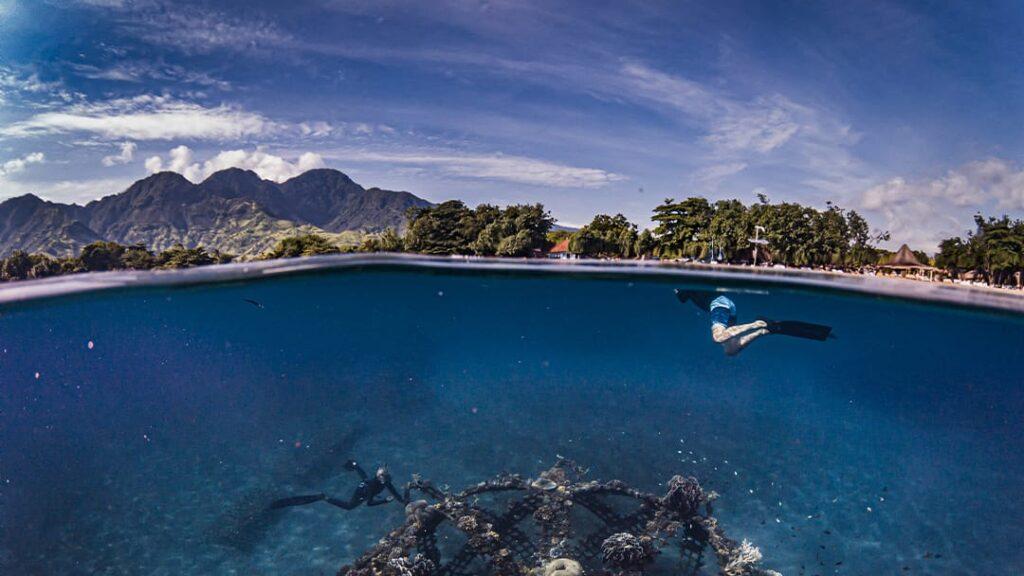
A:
(235, 176)
(322, 175)
(163, 177)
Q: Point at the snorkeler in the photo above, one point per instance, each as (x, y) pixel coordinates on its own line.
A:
(367, 492)
(735, 337)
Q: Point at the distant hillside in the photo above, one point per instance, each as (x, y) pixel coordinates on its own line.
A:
(233, 211)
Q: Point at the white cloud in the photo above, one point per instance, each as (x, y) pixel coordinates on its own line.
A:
(924, 212)
(75, 191)
(146, 117)
(19, 164)
(516, 169)
(125, 156)
(315, 129)
(266, 165)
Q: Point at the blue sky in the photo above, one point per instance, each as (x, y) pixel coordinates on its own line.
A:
(912, 112)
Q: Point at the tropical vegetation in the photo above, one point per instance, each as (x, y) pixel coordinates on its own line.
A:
(694, 227)
(994, 252)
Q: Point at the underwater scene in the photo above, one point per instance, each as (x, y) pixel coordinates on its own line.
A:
(226, 428)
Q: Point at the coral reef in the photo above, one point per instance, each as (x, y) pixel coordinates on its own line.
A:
(624, 543)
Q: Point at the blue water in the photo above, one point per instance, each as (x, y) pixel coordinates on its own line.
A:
(893, 449)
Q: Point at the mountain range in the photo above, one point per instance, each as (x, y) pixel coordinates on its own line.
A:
(233, 211)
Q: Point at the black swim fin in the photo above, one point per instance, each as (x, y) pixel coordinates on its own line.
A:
(296, 501)
(799, 329)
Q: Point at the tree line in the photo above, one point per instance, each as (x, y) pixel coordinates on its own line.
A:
(993, 252)
(103, 256)
(696, 228)
(692, 228)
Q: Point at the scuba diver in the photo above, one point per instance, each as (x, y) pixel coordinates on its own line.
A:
(367, 492)
(735, 337)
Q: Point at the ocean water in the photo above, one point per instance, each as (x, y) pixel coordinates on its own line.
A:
(140, 428)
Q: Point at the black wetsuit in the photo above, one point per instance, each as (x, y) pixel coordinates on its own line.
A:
(368, 490)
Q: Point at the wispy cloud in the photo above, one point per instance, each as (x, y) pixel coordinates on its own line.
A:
(266, 165)
(139, 72)
(194, 29)
(515, 169)
(145, 117)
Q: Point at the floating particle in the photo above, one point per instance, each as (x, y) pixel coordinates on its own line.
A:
(474, 410)
(440, 292)
(777, 521)
(869, 509)
(298, 444)
(90, 345)
(37, 375)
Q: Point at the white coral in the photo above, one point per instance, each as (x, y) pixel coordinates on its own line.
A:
(743, 559)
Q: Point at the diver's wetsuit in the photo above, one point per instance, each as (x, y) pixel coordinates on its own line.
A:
(724, 330)
(368, 490)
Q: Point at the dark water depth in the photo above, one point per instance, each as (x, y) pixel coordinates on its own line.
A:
(893, 449)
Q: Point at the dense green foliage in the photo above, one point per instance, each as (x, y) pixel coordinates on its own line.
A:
(386, 241)
(695, 228)
(994, 251)
(304, 245)
(453, 228)
(104, 256)
(606, 236)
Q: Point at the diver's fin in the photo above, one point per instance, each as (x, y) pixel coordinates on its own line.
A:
(683, 295)
(296, 501)
(799, 329)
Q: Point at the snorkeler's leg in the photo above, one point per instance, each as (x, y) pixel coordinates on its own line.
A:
(734, 346)
(744, 340)
(720, 333)
(352, 503)
(354, 466)
(297, 501)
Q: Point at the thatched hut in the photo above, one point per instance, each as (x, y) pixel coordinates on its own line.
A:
(905, 264)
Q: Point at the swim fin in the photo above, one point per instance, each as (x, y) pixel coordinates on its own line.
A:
(798, 329)
(296, 501)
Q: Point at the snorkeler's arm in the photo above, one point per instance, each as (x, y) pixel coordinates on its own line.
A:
(354, 466)
(403, 498)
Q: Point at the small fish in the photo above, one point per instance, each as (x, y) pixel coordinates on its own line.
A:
(253, 302)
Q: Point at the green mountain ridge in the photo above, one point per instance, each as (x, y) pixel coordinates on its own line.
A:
(232, 211)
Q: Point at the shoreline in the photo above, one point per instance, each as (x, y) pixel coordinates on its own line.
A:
(725, 276)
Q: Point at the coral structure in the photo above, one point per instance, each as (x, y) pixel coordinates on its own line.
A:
(496, 544)
(624, 551)
(563, 567)
(684, 497)
(418, 566)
